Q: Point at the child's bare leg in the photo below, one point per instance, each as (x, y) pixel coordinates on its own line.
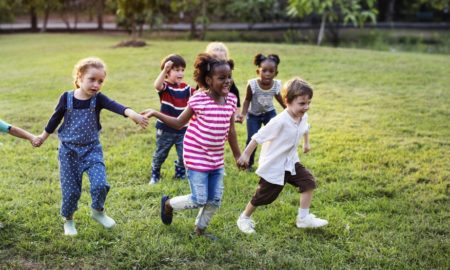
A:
(249, 209)
(304, 218)
(306, 198)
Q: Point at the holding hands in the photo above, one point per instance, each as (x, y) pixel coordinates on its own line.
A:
(139, 119)
(239, 118)
(243, 161)
(148, 113)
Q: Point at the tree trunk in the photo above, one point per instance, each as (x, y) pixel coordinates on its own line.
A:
(334, 31)
(65, 20)
(100, 10)
(133, 29)
(34, 19)
(322, 29)
(390, 11)
(193, 33)
(75, 22)
(46, 15)
(204, 18)
(141, 29)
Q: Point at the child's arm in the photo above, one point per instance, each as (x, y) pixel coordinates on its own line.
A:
(248, 99)
(176, 123)
(245, 157)
(280, 100)
(306, 145)
(41, 138)
(23, 134)
(233, 141)
(137, 118)
(159, 82)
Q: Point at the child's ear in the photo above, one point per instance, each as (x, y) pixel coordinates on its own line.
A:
(208, 81)
(257, 71)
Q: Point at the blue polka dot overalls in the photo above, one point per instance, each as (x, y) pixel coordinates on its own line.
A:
(80, 151)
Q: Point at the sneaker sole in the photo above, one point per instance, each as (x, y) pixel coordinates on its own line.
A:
(165, 218)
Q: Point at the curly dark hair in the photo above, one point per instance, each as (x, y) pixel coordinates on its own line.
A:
(204, 66)
(259, 58)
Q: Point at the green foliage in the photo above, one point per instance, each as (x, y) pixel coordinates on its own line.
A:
(380, 153)
(253, 10)
(134, 13)
(6, 11)
(335, 11)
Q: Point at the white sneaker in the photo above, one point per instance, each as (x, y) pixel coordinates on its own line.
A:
(310, 221)
(103, 219)
(246, 225)
(69, 228)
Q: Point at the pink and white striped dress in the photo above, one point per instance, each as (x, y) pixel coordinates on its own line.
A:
(204, 141)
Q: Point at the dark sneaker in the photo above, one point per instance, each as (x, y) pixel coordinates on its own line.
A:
(166, 214)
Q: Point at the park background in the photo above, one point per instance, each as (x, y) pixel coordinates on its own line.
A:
(380, 134)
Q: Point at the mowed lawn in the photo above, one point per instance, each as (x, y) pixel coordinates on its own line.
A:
(380, 152)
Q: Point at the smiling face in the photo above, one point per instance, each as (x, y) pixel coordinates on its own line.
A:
(267, 71)
(299, 106)
(175, 75)
(220, 81)
(91, 81)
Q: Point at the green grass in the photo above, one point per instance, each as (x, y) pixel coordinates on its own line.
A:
(381, 154)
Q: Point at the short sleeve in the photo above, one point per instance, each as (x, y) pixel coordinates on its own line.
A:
(4, 127)
(269, 131)
(194, 102)
(278, 87)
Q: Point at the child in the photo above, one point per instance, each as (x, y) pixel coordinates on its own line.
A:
(174, 95)
(19, 133)
(220, 51)
(260, 93)
(80, 149)
(210, 114)
(279, 162)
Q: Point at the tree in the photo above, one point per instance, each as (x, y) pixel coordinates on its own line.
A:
(134, 13)
(254, 10)
(334, 12)
(190, 9)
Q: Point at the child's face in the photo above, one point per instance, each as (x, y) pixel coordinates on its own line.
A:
(91, 81)
(299, 106)
(220, 81)
(175, 75)
(267, 71)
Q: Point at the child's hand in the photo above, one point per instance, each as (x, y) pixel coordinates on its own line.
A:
(37, 141)
(140, 120)
(168, 66)
(148, 113)
(306, 147)
(239, 118)
(242, 162)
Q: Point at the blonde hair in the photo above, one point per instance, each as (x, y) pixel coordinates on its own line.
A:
(83, 65)
(215, 47)
(296, 87)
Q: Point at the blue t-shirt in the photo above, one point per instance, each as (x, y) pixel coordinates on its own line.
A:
(4, 127)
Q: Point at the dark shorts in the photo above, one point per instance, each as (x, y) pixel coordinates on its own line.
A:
(267, 192)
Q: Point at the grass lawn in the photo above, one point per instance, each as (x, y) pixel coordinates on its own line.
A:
(380, 152)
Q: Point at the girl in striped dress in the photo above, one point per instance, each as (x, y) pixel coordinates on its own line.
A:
(211, 123)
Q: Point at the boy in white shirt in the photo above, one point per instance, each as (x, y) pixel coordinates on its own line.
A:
(279, 162)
